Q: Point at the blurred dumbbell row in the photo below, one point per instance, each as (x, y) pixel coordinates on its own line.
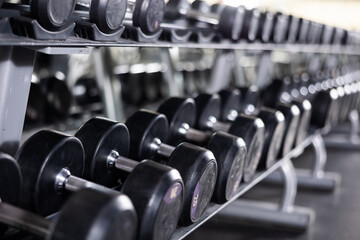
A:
(176, 21)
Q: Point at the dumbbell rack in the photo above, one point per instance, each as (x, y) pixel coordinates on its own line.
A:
(16, 66)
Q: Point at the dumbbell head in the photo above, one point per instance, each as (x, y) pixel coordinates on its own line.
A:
(113, 217)
(208, 106)
(249, 99)
(41, 158)
(231, 22)
(325, 110)
(252, 131)
(58, 98)
(173, 7)
(159, 206)
(230, 104)
(265, 26)
(86, 91)
(10, 183)
(148, 15)
(35, 110)
(292, 117)
(11, 179)
(108, 15)
(100, 137)
(53, 14)
(196, 165)
(305, 108)
(274, 132)
(229, 151)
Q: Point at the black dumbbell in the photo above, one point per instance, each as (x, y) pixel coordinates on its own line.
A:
(293, 29)
(229, 151)
(58, 98)
(86, 91)
(281, 23)
(52, 15)
(35, 110)
(303, 30)
(327, 35)
(155, 190)
(250, 26)
(51, 161)
(84, 211)
(106, 14)
(314, 34)
(227, 21)
(265, 26)
(145, 14)
(197, 166)
(274, 125)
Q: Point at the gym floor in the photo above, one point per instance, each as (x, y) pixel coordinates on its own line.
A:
(337, 213)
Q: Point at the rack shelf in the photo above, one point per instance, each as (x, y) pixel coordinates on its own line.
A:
(12, 40)
(213, 208)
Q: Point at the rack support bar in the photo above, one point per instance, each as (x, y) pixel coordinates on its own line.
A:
(16, 67)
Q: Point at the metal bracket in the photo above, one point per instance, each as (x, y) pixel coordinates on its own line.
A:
(315, 178)
(283, 215)
(346, 137)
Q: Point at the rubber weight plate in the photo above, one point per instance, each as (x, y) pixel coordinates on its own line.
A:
(148, 15)
(230, 104)
(178, 111)
(305, 118)
(208, 106)
(10, 183)
(41, 158)
(159, 207)
(252, 131)
(108, 15)
(199, 182)
(90, 214)
(230, 154)
(292, 118)
(274, 132)
(100, 137)
(53, 14)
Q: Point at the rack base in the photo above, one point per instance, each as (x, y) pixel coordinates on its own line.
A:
(262, 214)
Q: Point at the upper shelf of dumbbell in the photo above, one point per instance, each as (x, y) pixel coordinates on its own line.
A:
(78, 45)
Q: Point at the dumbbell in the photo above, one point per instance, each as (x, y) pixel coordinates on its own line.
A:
(52, 15)
(265, 26)
(293, 29)
(273, 119)
(86, 91)
(281, 23)
(145, 14)
(227, 20)
(35, 110)
(156, 190)
(58, 98)
(197, 166)
(303, 30)
(51, 161)
(113, 215)
(250, 26)
(106, 14)
(229, 151)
